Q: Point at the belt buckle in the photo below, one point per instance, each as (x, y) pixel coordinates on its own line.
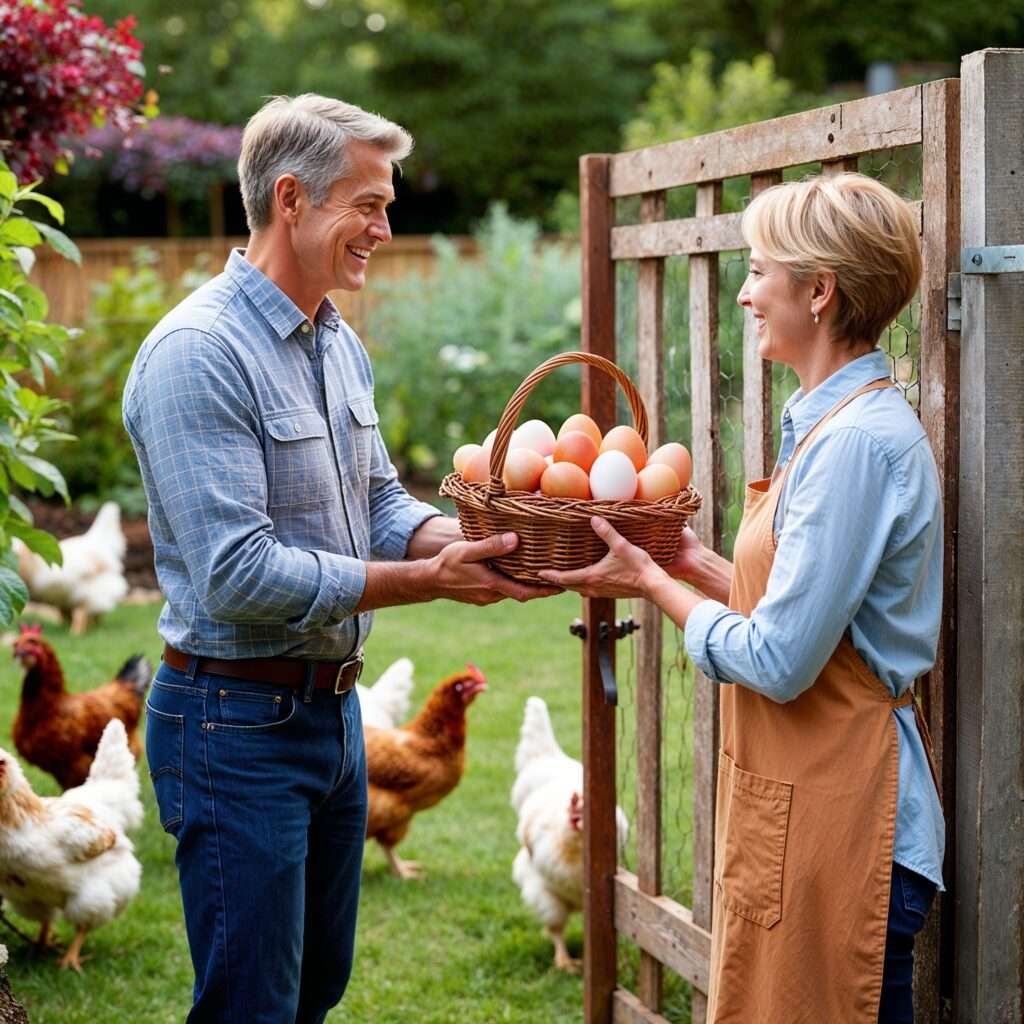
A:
(357, 660)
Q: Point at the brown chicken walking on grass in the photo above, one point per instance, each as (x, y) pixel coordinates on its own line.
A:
(418, 765)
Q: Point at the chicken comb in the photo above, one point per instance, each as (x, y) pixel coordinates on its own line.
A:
(475, 674)
(36, 630)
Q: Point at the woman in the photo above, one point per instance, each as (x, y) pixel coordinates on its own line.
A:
(829, 832)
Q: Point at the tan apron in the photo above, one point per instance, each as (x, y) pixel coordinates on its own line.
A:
(806, 815)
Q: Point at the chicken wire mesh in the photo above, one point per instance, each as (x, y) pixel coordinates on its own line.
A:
(901, 170)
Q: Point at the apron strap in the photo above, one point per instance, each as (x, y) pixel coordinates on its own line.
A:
(908, 697)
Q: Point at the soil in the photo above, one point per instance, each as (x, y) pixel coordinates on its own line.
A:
(63, 522)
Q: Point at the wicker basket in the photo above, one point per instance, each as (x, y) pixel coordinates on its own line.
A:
(555, 533)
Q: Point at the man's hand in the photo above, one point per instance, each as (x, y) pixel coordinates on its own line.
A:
(458, 573)
(626, 571)
(687, 564)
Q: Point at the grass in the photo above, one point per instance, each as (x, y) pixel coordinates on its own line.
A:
(456, 946)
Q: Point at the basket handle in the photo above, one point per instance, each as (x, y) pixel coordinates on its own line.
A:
(514, 407)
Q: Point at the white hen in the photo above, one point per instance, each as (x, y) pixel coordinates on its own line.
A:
(70, 853)
(90, 582)
(386, 704)
(548, 796)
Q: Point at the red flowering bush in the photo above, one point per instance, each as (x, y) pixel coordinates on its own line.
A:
(62, 73)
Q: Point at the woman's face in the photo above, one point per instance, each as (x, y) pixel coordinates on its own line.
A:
(781, 307)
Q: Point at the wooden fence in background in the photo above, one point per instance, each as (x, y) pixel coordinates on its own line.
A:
(67, 286)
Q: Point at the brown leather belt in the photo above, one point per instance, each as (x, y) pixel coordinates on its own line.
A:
(338, 676)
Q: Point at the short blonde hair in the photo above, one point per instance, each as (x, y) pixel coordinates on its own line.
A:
(848, 224)
(306, 136)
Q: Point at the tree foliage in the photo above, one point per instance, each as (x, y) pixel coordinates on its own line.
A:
(29, 347)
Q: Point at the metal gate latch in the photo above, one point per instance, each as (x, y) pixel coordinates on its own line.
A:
(992, 259)
(606, 631)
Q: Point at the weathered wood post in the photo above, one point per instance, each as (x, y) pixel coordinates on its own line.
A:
(990, 579)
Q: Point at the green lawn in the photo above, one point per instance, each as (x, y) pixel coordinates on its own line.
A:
(455, 946)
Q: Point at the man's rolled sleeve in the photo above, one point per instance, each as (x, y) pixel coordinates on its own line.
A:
(342, 582)
(700, 636)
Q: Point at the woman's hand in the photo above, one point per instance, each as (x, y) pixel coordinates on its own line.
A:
(626, 571)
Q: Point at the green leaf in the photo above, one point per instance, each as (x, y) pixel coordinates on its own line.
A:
(48, 472)
(19, 508)
(13, 596)
(54, 208)
(20, 231)
(12, 299)
(60, 242)
(42, 543)
(22, 475)
(25, 257)
(8, 183)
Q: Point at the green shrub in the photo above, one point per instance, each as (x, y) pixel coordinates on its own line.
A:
(450, 349)
(123, 310)
(29, 346)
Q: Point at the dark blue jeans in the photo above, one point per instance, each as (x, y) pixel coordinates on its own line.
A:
(910, 899)
(266, 795)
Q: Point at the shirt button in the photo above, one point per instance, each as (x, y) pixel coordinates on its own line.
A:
(306, 328)
(222, 693)
(298, 428)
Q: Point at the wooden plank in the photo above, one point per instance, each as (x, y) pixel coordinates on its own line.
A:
(663, 928)
(990, 650)
(828, 133)
(758, 425)
(630, 1010)
(940, 417)
(847, 163)
(600, 851)
(678, 237)
(651, 382)
(709, 477)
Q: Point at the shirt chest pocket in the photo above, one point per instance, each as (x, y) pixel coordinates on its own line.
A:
(300, 467)
(362, 420)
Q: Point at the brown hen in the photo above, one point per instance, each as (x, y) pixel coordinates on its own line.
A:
(418, 765)
(60, 731)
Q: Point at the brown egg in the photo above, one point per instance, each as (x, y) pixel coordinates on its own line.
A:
(463, 455)
(576, 447)
(655, 481)
(565, 480)
(478, 468)
(523, 469)
(676, 456)
(583, 423)
(627, 441)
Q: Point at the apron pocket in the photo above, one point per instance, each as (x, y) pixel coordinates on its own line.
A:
(751, 831)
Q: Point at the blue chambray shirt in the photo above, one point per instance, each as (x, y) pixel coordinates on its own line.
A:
(268, 482)
(859, 528)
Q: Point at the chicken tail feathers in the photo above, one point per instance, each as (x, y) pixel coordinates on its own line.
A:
(536, 738)
(136, 673)
(114, 760)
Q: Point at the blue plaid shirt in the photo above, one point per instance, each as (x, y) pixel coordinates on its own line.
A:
(268, 482)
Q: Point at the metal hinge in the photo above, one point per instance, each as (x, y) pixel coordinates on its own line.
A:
(992, 259)
(953, 302)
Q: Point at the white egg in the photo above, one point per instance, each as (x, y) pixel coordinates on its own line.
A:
(613, 477)
(535, 434)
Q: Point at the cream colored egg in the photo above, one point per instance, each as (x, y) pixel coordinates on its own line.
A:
(535, 434)
(612, 477)
(463, 455)
(489, 440)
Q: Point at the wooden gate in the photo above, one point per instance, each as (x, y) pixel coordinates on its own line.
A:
(620, 904)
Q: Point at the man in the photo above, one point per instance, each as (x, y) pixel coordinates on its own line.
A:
(278, 525)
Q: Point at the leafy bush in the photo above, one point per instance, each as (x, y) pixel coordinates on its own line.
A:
(449, 350)
(62, 73)
(28, 348)
(124, 309)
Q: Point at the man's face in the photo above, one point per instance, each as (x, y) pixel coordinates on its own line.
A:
(334, 241)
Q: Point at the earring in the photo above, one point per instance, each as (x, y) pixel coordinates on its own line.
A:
(817, 318)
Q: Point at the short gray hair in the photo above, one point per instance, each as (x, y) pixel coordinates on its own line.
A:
(306, 136)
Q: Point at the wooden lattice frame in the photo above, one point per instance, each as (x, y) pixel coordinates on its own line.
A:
(617, 901)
